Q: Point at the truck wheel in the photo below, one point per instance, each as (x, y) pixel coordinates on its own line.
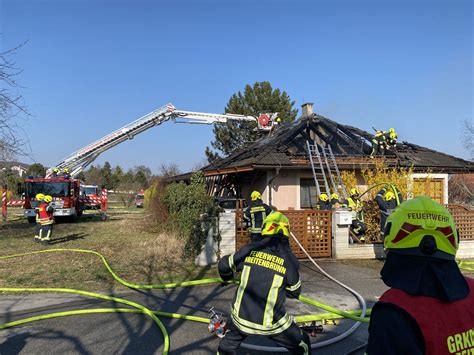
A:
(31, 220)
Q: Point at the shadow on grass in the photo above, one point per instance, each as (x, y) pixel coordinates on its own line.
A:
(68, 238)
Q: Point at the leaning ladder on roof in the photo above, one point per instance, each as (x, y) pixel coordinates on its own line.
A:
(318, 172)
(325, 153)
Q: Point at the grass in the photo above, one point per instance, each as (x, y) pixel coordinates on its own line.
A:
(134, 250)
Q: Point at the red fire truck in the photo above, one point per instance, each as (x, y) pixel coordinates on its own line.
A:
(65, 193)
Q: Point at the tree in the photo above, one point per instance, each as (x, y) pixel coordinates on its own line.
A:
(11, 105)
(256, 99)
(106, 173)
(36, 170)
(168, 170)
(468, 138)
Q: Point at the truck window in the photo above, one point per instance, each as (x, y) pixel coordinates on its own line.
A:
(55, 189)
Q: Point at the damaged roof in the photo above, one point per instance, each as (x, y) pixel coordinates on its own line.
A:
(286, 148)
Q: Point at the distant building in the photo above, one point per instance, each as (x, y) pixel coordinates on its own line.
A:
(14, 166)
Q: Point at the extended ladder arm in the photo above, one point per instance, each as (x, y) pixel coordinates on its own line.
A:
(80, 159)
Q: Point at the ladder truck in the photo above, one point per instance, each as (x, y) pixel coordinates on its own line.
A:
(66, 192)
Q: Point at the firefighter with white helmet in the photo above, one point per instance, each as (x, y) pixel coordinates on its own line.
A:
(255, 215)
(269, 274)
(429, 308)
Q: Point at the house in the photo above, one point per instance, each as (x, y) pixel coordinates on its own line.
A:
(14, 166)
(279, 166)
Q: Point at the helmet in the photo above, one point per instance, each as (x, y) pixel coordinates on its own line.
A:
(48, 198)
(355, 191)
(334, 196)
(66, 170)
(422, 227)
(255, 196)
(392, 130)
(393, 135)
(55, 170)
(276, 223)
(39, 197)
(324, 197)
(389, 195)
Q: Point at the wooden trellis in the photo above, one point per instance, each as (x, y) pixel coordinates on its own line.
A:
(311, 227)
(464, 219)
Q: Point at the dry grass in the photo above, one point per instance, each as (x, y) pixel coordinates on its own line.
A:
(126, 239)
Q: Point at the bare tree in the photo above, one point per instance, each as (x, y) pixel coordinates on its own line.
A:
(11, 107)
(468, 137)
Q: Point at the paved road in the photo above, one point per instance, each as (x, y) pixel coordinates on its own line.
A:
(137, 334)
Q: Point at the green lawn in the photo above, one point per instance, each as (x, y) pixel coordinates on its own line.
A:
(127, 239)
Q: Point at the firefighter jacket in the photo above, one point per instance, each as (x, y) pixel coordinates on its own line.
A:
(45, 214)
(256, 213)
(269, 273)
(356, 207)
(324, 205)
(446, 327)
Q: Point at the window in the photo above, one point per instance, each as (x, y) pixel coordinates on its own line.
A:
(433, 188)
(308, 193)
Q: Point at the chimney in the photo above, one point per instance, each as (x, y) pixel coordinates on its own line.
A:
(307, 109)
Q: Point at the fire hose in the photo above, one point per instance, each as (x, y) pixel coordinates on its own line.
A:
(359, 316)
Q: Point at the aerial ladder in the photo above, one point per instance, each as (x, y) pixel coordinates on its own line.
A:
(325, 170)
(79, 160)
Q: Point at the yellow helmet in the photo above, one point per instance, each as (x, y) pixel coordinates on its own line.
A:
(389, 195)
(255, 196)
(48, 198)
(422, 227)
(324, 197)
(66, 170)
(55, 170)
(334, 196)
(39, 197)
(276, 223)
(392, 130)
(355, 191)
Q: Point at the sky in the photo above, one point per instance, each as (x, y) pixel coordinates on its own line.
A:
(90, 67)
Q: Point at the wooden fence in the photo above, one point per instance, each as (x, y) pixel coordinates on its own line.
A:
(464, 219)
(311, 227)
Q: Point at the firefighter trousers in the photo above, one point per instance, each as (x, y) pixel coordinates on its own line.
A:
(295, 340)
(45, 232)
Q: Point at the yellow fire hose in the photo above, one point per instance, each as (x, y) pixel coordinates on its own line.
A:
(335, 313)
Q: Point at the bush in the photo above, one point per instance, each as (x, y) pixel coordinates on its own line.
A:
(191, 212)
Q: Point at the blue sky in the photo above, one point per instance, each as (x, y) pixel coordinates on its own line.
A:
(90, 67)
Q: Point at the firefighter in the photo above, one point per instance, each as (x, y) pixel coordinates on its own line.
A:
(269, 274)
(391, 139)
(387, 200)
(335, 202)
(255, 214)
(324, 204)
(45, 219)
(429, 308)
(39, 199)
(358, 227)
(378, 143)
(55, 172)
(66, 174)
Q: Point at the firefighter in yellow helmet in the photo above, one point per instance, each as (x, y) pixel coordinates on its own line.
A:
(358, 227)
(388, 198)
(39, 199)
(267, 267)
(324, 204)
(378, 143)
(255, 214)
(429, 308)
(391, 139)
(335, 201)
(55, 171)
(45, 219)
(66, 174)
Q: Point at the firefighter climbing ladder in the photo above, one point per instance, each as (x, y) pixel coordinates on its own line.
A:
(80, 159)
(324, 168)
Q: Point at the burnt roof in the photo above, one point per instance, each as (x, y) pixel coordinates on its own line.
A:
(286, 148)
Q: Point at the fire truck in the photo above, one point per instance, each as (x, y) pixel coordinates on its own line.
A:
(91, 196)
(66, 191)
